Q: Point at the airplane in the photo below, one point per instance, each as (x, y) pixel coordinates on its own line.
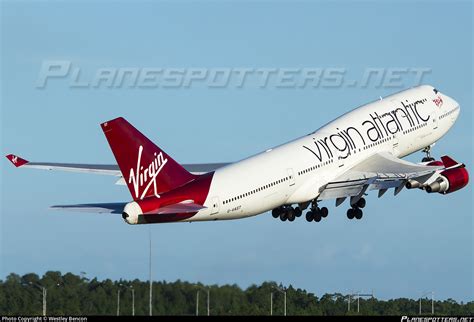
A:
(343, 160)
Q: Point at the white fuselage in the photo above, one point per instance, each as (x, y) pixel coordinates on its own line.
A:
(293, 173)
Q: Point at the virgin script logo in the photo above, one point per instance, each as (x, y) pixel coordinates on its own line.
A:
(143, 177)
(438, 101)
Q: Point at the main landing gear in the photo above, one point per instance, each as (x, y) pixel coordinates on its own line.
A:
(428, 157)
(286, 213)
(355, 210)
(316, 213)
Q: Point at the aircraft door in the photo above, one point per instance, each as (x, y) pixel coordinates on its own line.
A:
(215, 205)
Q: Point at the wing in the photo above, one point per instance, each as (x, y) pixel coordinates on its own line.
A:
(105, 169)
(201, 168)
(381, 172)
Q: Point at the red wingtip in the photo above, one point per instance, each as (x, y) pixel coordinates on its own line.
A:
(16, 160)
(448, 162)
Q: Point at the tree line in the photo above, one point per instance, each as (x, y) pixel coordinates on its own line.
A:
(69, 294)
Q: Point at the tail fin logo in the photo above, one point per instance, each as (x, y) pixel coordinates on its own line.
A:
(143, 177)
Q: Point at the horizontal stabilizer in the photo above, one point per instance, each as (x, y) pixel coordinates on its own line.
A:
(99, 208)
(178, 208)
(118, 207)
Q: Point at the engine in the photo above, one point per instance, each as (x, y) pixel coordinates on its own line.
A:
(449, 181)
(131, 212)
(455, 177)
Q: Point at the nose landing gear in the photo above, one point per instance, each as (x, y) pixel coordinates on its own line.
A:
(428, 157)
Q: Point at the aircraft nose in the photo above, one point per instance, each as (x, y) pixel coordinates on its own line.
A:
(453, 105)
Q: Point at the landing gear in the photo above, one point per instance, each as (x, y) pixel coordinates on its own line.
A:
(428, 157)
(324, 212)
(317, 217)
(356, 209)
(286, 213)
(355, 212)
(289, 213)
(350, 213)
(316, 213)
(361, 203)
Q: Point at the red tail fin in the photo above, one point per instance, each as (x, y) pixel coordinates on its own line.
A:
(147, 170)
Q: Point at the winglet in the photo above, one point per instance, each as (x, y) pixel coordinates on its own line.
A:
(448, 162)
(16, 160)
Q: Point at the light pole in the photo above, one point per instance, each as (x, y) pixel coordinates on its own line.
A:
(44, 295)
(197, 303)
(118, 302)
(284, 297)
(44, 292)
(432, 301)
(133, 300)
(271, 303)
(208, 299)
(151, 283)
(197, 300)
(359, 295)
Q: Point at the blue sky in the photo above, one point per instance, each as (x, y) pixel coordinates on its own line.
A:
(403, 247)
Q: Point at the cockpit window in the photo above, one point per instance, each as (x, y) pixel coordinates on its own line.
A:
(435, 91)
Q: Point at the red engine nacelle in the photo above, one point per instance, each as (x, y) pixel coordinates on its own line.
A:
(449, 181)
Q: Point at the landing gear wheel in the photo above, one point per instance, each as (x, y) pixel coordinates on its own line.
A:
(298, 212)
(350, 213)
(361, 203)
(358, 213)
(324, 212)
(427, 159)
(283, 216)
(317, 217)
(276, 213)
(309, 216)
(291, 214)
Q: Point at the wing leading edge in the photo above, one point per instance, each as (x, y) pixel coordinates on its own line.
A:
(104, 169)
